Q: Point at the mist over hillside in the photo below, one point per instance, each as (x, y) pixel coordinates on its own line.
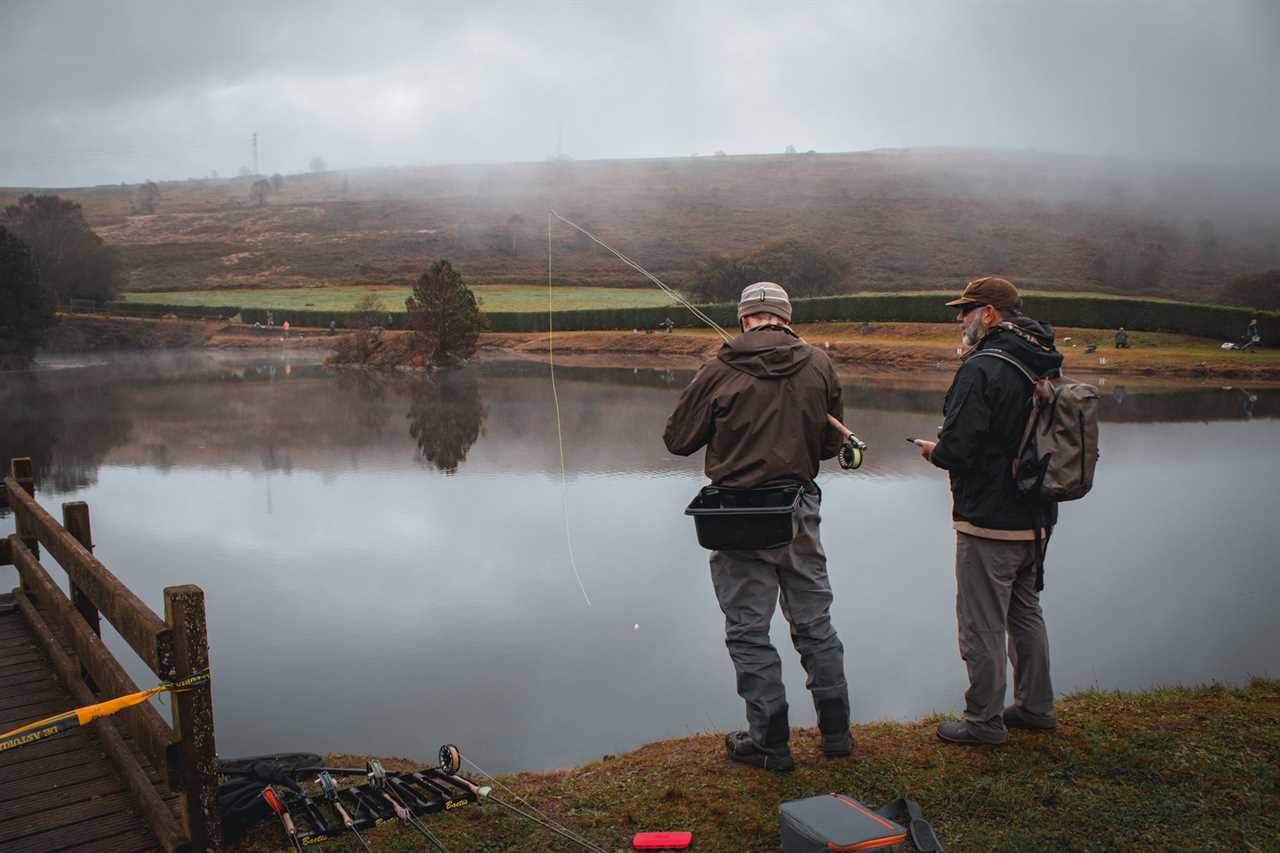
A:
(905, 219)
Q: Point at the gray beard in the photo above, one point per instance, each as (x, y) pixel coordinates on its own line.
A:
(973, 331)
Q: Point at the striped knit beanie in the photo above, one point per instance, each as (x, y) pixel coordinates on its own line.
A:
(765, 296)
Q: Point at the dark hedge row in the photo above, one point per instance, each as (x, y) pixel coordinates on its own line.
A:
(1145, 315)
(159, 309)
(1209, 321)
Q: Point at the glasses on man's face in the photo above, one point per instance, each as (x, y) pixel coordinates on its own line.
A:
(966, 310)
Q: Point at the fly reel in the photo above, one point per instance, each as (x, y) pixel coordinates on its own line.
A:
(850, 454)
(450, 759)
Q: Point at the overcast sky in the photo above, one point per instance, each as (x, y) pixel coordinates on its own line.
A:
(102, 92)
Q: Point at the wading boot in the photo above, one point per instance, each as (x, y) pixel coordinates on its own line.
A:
(967, 733)
(837, 744)
(742, 749)
(1019, 718)
(833, 725)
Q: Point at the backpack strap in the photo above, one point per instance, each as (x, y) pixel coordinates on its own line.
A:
(1041, 542)
(908, 811)
(1004, 356)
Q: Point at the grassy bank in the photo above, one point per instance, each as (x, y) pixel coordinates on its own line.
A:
(929, 346)
(1167, 769)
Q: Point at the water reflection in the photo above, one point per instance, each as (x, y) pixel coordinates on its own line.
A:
(446, 416)
(276, 415)
(65, 423)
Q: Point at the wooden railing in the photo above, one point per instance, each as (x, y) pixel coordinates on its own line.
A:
(172, 648)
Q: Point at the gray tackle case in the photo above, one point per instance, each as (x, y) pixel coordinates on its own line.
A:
(832, 822)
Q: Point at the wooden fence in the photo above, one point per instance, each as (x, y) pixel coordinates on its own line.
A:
(175, 647)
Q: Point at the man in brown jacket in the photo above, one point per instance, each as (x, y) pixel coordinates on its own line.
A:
(760, 408)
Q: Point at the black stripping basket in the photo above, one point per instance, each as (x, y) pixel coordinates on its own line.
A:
(745, 519)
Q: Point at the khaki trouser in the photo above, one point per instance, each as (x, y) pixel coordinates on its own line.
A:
(995, 595)
(749, 584)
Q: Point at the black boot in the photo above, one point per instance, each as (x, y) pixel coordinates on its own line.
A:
(833, 723)
(742, 749)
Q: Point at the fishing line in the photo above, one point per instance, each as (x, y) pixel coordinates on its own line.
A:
(697, 312)
(564, 477)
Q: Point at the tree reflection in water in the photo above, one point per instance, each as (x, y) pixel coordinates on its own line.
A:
(65, 425)
(446, 416)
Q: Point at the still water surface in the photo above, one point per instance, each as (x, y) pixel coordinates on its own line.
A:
(385, 563)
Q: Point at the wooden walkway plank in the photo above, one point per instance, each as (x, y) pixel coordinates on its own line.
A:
(76, 740)
(87, 833)
(65, 816)
(59, 798)
(49, 763)
(21, 715)
(17, 680)
(21, 664)
(132, 841)
(61, 793)
(53, 776)
(29, 698)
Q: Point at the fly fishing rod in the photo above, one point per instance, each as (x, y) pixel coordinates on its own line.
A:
(378, 783)
(277, 805)
(330, 789)
(485, 793)
(850, 454)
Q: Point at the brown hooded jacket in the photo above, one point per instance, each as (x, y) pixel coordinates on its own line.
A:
(760, 408)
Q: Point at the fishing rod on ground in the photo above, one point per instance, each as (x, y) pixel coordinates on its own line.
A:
(485, 793)
(378, 782)
(850, 454)
(330, 788)
(277, 805)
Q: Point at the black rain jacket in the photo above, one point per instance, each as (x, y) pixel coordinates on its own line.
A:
(984, 415)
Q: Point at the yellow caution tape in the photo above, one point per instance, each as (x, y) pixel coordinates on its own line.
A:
(41, 729)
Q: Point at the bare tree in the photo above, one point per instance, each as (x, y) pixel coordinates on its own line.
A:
(317, 164)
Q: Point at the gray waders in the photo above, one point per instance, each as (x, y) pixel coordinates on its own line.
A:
(748, 584)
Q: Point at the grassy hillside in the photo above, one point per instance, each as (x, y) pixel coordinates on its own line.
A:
(906, 220)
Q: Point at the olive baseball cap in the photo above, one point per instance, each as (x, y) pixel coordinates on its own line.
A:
(999, 293)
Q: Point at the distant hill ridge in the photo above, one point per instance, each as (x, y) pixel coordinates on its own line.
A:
(910, 219)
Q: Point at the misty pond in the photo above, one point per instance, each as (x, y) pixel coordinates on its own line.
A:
(386, 566)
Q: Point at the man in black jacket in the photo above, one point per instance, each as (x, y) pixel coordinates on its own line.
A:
(997, 592)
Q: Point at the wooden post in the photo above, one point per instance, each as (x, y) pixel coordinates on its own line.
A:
(75, 517)
(193, 718)
(20, 469)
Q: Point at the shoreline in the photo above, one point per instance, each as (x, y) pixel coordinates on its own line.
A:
(889, 347)
(1123, 771)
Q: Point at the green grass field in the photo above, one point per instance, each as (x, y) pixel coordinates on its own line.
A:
(493, 297)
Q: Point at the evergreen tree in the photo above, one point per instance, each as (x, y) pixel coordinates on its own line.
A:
(444, 316)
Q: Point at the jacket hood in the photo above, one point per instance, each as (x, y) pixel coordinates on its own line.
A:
(1029, 341)
(766, 352)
